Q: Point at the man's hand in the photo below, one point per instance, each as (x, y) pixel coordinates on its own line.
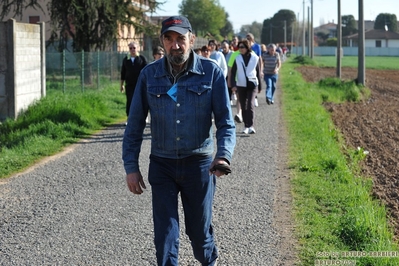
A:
(217, 161)
(135, 183)
(122, 88)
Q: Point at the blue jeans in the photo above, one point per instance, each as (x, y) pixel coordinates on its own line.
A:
(189, 176)
(270, 81)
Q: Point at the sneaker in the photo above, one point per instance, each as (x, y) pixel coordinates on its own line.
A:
(237, 118)
(251, 130)
(267, 101)
(246, 130)
(272, 102)
(256, 102)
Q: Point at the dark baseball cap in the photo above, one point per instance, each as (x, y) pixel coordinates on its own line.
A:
(178, 24)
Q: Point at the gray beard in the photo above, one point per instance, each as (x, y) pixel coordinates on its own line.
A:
(178, 59)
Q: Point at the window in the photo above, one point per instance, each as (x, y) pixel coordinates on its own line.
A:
(378, 43)
(34, 19)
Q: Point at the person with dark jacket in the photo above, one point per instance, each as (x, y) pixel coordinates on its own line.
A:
(132, 65)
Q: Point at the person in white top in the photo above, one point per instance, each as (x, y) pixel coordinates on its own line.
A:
(218, 56)
(244, 78)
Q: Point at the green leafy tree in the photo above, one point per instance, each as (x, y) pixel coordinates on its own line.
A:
(206, 16)
(227, 31)
(332, 42)
(91, 24)
(255, 28)
(385, 19)
(273, 28)
(94, 24)
(349, 25)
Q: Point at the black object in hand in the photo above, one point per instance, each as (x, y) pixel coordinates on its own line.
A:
(224, 168)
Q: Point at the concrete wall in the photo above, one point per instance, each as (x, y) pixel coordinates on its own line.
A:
(23, 72)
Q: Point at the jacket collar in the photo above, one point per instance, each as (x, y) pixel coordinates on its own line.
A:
(194, 65)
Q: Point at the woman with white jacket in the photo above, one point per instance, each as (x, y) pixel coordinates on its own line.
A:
(245, 77)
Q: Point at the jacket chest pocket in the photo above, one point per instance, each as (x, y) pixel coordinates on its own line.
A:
(158, 97)
(199, 95)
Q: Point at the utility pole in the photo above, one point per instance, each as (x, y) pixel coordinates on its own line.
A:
(285, 33)
(339, 42)
(308, 31)
(311, 30)
(303, 30)
(361, 72)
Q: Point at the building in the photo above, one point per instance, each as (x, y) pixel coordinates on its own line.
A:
(374, 38)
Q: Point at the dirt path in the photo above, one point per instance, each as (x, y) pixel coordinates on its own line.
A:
(374, 126)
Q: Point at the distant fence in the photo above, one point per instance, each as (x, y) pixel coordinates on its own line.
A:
(89, 69)
(348, 51)
(85, 69)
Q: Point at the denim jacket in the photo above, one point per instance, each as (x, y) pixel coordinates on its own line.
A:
(180, 127)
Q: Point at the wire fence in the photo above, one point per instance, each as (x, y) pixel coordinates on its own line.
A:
(87, 70)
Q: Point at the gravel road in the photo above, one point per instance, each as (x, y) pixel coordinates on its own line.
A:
(75, 209)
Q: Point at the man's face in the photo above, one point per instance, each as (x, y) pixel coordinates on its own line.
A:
(235, 40)
(133, 49)
(212, 46)
(177, 46)
(225, 48)
(249, 38)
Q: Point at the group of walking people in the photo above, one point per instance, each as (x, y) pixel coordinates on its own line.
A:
(186, 94)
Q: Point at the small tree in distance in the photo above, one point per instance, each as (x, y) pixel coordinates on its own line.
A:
(388, 20)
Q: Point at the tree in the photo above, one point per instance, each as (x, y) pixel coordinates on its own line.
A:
(206, 16)
(91, 24)
(227, 31)
(385, 19)
(17, 7)
(94, 24)
(273, 28)
(349, 25)
(255, 28)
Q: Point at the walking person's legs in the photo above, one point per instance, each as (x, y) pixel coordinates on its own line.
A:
(165, 192)
(273, 86)
(268, 81)
(197, 192)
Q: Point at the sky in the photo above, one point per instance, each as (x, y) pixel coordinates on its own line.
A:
(242, 12)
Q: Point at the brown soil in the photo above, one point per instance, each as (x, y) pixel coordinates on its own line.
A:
(373, 125)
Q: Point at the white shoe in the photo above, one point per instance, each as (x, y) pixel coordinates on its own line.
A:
(256, 102)
(251, 130)
(246, 130)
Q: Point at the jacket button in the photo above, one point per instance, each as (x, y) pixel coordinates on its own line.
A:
(159, 95)
(178, 121)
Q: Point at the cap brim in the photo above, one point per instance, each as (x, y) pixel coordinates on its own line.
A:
(176, 29)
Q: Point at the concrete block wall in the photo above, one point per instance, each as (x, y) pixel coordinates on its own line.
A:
(24, 80)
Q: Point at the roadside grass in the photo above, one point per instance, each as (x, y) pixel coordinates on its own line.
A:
(372, 62)
(333, 206)
(56, 121)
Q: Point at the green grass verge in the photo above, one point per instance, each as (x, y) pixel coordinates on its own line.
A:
(56, 121)
(373, 62)
(333, 207)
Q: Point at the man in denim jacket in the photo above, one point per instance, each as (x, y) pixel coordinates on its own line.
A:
(183, 92)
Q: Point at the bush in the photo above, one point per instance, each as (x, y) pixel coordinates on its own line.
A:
(304, 60)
